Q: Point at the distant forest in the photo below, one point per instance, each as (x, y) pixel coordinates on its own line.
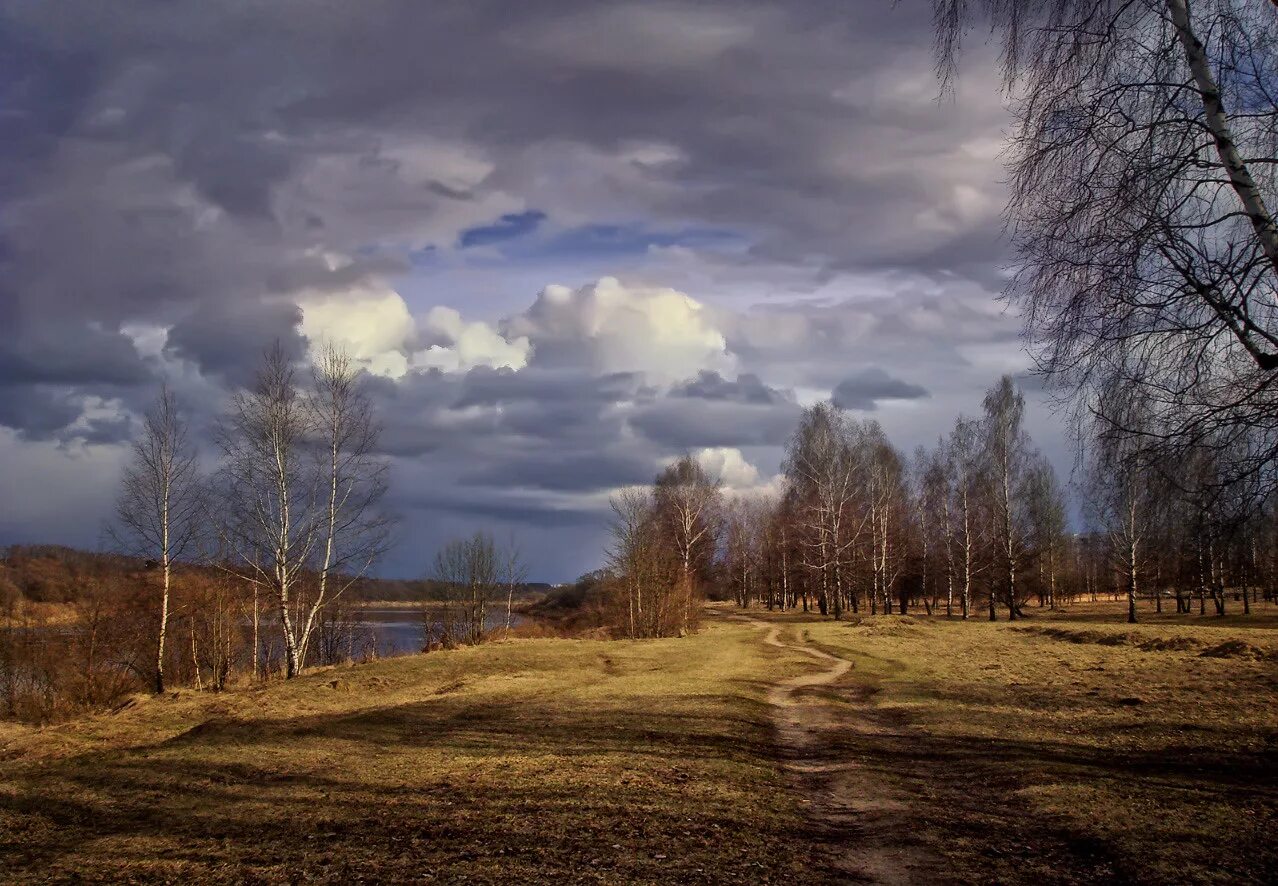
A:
(55, 574)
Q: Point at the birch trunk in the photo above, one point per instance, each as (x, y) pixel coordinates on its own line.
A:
(1240, 178)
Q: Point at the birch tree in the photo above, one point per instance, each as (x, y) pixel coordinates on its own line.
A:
(932, 495)
(471, 570)
(160, 510)
(271, 495)
(514, 572)
(632, 509)
(687, 502)
(303, 489)
(885, 501)
(824, 473)
(352, 529)
(1143, 170)
(965, 465)
(1045, 504)
(1121, 502)
(1007, 447)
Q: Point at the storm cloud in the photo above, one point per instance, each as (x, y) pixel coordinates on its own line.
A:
(568, 241)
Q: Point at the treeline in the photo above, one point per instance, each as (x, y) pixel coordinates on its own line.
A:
(56, 574)
(979, 524)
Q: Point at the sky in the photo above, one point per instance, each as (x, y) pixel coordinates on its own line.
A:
(569, 241)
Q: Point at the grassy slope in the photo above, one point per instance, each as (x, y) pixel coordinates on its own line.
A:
(1067, 749)
(529, 761)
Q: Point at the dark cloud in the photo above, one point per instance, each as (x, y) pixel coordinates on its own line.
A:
(228, 340)
(483, 386)
(676, 424)
(175, 179)
(40, 413)
(864, 389)
(71, 354)
(710, 385)
(590, 471)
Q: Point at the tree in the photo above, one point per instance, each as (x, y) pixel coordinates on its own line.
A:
(824, 474)
(965, 466)
(1121, 499)
(514, 571)
(353, 530)
(932, 496)
(628, 553)
(687, 502)
(471, 570)
(1008, 452)
(303, 489)
(270, 517)
(160, 509)
(885, 503)
(1045, 510)
(1143, 175)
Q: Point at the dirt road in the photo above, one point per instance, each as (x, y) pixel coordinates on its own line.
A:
(862, 821)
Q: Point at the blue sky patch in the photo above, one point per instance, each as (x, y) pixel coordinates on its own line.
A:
(509, 227)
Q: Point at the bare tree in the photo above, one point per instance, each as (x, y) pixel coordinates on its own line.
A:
(1120, 499)
(885, 500)
(471, 571)
(687, 502)
(1143, 172)
(931, 501)
(270, 518)
(633, 509)
(160, 509)
(825, 475)
(353, 530)
(965, 464)
(303, 489)
(514, 572)
(1045, 505)
(664, 539)
(1008, 450)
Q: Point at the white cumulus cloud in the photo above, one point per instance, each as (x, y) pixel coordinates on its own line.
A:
(608, 326)
(371, 323)
(738, 476)
(467, 344)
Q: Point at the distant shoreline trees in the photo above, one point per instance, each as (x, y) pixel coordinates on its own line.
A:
(475, 574)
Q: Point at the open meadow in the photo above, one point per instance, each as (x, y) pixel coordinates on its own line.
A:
(1064, 748)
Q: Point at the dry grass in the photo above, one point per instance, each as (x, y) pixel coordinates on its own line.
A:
(1068, 748)
(1072, 747)
(528, 761)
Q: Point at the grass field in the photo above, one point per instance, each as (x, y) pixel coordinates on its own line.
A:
(1060, 749)
(579, 761)
(1070, 747)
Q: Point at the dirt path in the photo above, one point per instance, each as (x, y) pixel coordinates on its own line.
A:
(862, 820)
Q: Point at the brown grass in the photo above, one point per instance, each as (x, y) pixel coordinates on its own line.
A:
(1068, 748)
(527, 761)
(1076, 749)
